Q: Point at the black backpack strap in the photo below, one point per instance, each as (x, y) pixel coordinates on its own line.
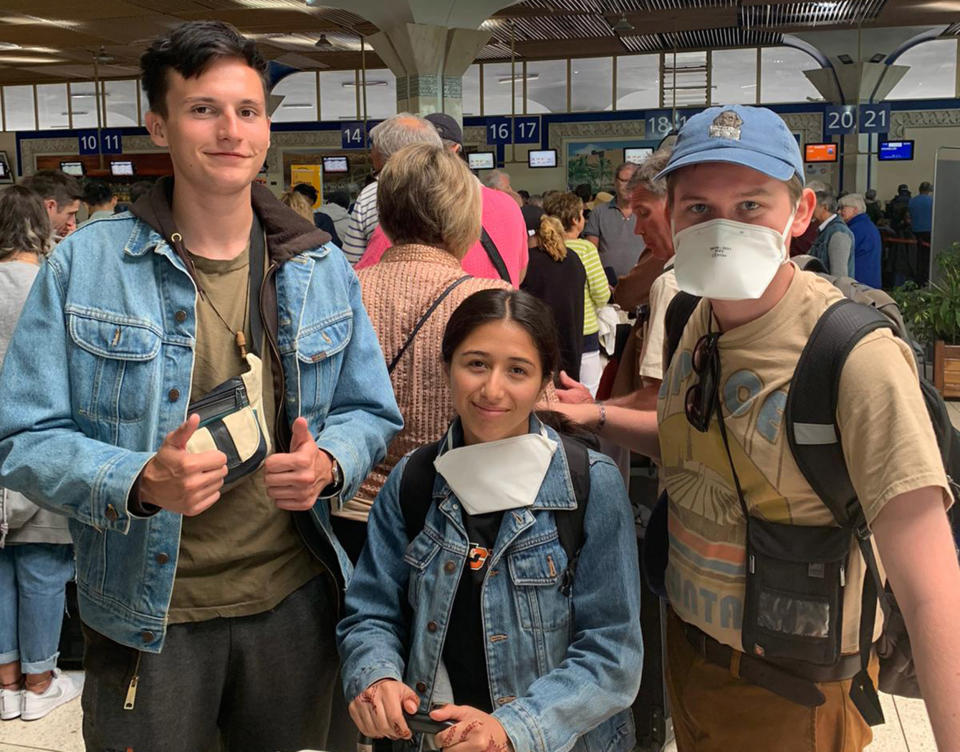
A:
(494, 254)
(678, 314)
(570, 523)
(258, 252)
(416, 488)
(423, 320)
(814, 439)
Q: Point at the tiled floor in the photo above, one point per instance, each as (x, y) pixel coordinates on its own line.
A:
(907, 728)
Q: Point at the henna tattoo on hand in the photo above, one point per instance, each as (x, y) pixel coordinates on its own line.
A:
(468, 729)
(369, 695)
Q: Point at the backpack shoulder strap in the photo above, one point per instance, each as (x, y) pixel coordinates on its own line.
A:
(570, 523)
(815, 443)
(423, 319)
(416, 488)
(493, 253)
(811, 420)
(678, 314)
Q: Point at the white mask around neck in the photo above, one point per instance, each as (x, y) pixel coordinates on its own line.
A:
(497, 475)
(724, 259)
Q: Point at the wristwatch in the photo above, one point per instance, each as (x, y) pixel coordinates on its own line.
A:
(335, 485)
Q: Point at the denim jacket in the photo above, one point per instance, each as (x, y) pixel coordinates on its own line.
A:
(560, 666)
(99, 371)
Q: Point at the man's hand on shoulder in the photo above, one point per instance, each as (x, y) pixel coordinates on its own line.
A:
(572, 391)
(295, 479)
(180, 481)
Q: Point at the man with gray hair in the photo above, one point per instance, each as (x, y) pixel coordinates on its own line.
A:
(388, 137)
(867, 245)
(612, 226)
(834, 244)
(499, 180)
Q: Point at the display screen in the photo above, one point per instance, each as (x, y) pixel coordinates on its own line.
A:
(895, 151)
(820, 153)
(121, 168)
(335, 164)
(72, 168)
(4, 169)
(542, 158)
(637, 155)
(480, 160)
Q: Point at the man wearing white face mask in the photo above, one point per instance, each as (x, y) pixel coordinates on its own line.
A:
(735, 199)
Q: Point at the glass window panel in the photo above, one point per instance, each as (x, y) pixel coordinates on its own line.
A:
(685, 79)
(932, 74)
(338, 95)
(638, 82)
(381, 93)
(83, 101)
(496, 88)
(781, 76)
(591, 83)
(121, 98)
(471, 91)
(299, 92)
(18, 107)
(52, 106)
(734, 76)
(546, 86)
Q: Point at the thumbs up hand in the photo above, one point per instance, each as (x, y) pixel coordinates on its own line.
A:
(295, 479)
(180, 481)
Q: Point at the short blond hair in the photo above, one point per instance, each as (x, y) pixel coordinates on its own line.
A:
(298, 202)
(427, 195)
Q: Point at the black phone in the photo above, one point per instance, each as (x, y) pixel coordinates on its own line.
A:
(422, 723)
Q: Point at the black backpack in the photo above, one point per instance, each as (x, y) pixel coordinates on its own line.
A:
(416, 496)
(814, 438)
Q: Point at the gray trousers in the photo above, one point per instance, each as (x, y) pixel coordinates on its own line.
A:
(264, 682)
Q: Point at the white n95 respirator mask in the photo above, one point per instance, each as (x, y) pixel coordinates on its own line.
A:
(723, 259)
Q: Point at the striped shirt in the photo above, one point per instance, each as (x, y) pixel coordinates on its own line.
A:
(596, 292)
(363, 221)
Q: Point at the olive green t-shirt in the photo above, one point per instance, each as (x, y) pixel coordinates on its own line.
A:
(242, 555)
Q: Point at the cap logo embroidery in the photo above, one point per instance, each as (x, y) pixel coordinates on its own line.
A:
(726, 125)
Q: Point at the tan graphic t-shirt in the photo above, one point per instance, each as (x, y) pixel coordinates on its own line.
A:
(243, 555)
(886, 435)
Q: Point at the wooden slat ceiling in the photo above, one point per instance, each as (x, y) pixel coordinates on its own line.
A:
(58, 39)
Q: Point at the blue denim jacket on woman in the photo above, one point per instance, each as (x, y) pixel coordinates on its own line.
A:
(99, 371)
(558, 665)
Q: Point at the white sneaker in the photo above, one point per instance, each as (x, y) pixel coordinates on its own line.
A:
(61, 690)
(10, 703)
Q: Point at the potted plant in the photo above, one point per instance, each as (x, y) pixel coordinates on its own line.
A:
(933, 316)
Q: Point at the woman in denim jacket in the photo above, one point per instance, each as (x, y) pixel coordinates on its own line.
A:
(470, 620)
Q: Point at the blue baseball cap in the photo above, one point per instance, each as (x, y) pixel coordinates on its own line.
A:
(754, 137)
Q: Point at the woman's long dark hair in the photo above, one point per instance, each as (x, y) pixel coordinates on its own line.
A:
(517, 306)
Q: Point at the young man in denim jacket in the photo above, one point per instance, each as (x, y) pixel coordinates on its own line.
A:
(209, 609)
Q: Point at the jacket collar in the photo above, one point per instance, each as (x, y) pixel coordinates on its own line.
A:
(287, 233)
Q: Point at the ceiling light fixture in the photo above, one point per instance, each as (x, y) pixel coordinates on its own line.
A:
(877, 57)
(845, 59)
(29, 60)
(325, 45)
(518, 79)
(623, 26)
(103, 57)
(297, 105)
(351, 84)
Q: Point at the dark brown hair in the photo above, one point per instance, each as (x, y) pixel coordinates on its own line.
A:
(24, 223)
(518, 306)
(190, 50)
(62, 188)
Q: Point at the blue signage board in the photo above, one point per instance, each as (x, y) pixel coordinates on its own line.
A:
(874, 118)
(660, 123)
(526, 130)
(106, 141)
(498, 130)
(351, 135)
(839, 120)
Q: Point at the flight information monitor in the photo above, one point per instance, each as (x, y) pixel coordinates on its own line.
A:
(72, 168)
(895, 151)
(637, 155)
(121, 168)
(335, 164)
(820, 152)
(542, 158)
(480, 160)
